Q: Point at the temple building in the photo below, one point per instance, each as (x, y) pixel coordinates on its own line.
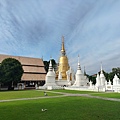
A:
(34, 72)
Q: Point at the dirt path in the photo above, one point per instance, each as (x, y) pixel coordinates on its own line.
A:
(34, 98)
(63, 95)
(87, 95)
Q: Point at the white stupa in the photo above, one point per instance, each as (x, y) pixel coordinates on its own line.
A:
(102, 77)
(98, 81)
(116, 80)
(50, 79)
(81, 80)
(59, 76)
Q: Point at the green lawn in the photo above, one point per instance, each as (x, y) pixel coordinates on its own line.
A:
(4, 95)
(64, 108)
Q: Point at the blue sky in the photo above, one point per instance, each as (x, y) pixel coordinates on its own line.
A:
(91, 28)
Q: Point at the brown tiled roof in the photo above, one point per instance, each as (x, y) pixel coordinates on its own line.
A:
(34, 69)
(33, 77)
(24, 60)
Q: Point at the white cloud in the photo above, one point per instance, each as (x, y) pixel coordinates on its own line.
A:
(91, 29)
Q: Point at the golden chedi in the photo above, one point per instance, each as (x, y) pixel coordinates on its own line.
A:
(63, 65)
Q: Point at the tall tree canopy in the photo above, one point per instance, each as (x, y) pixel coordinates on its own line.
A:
(10, 71)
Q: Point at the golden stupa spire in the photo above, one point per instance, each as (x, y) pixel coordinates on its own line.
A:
(63, 62)
(63, 48)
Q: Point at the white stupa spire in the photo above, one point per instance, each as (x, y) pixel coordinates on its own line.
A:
(102, 77)
(80, 78)
(101, 69)
(79, 68)
(50, 66)
(116, 80)
(98, 82)
(101, 72)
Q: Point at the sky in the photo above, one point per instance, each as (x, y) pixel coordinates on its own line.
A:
(91, 29)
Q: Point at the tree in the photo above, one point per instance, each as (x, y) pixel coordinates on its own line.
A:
(92, 78)
(0, 76)
(46, 65)
(11, 72)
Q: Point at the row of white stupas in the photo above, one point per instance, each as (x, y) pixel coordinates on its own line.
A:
(81, 81)
(51, 83)
(103, 85)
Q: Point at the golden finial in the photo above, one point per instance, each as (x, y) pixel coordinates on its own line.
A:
(62, 39)
(63, 48)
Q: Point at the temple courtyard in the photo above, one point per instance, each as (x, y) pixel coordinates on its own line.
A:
(59, 105)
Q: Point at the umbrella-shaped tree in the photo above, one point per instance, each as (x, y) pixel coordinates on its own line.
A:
(10, 72)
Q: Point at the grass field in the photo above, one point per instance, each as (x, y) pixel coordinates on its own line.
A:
(4, 95)
(63, 108)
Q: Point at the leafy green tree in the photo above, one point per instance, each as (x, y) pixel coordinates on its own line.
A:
(92, 78)
(11, 71)
(0, 76)
(46, 65)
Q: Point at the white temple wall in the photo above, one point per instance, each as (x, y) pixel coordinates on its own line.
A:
(62, 82)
